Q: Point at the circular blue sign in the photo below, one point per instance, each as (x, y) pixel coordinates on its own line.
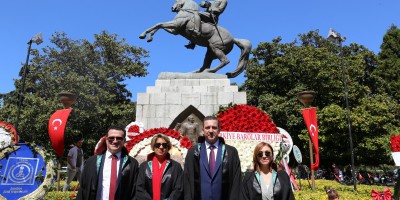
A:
(297, 154)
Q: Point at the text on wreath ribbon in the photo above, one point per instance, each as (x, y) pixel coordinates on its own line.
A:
(265, 137)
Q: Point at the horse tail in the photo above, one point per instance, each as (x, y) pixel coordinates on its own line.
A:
(245, 47)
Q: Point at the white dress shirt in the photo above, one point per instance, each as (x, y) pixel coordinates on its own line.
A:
(215, 150)
(105, 186)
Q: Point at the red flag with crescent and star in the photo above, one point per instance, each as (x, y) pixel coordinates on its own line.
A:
(310, 118)
(57, 123)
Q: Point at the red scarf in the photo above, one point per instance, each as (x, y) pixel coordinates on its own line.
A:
(157, 177)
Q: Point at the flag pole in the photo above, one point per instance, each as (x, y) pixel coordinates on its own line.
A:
(306, 98)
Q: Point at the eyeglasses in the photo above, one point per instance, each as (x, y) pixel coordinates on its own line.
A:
(267, 154)
(111, 139)
(158, 145)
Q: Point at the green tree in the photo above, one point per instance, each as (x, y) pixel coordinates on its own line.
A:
(95, 71)
(388, 73)
(279, 71)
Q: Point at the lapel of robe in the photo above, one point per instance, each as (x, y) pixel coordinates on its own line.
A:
(203, 158)
(122, 163)
(218, 159)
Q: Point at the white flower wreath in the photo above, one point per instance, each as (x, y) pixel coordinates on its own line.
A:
(143, 148)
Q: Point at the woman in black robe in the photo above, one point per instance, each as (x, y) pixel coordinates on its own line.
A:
(160, 177)
(264, 182)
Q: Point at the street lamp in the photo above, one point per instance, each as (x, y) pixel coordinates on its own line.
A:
(306, 98)
(38, 40)
(333, 35)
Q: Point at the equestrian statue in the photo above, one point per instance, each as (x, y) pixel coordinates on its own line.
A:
(201, 28)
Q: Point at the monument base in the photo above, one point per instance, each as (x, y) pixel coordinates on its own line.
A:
(175, 93)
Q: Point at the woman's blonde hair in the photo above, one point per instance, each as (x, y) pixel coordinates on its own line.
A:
(256, 165)
(160, 135)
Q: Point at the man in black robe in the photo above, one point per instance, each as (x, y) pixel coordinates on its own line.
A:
(219, 180)
(102, 179)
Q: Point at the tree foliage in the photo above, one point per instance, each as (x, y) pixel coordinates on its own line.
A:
(279, 71)
(95, 71)
(388, 73)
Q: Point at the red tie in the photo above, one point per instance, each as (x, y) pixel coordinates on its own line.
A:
(113, 179)
(212, 159)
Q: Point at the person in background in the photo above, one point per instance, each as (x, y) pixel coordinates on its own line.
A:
(160, 177)
(212, 168)
(75, 163)
(264, 182)
(332, 194)
(112, 174)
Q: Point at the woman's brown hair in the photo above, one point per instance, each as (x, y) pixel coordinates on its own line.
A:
(332, 194)
(257, 149)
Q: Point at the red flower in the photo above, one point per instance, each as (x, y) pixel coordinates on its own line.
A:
(244, 118)
(134, 129)
(185, 142)
(151, 132)
(395, 143)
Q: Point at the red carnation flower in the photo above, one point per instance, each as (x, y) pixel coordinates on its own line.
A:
(134, 129)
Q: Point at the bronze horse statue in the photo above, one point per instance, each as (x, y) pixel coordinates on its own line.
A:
(218, 40)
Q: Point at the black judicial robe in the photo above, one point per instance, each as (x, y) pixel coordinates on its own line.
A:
(231, 173)
(126, 182)
(251, 189)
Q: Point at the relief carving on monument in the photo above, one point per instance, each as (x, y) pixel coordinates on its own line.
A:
(189, 123)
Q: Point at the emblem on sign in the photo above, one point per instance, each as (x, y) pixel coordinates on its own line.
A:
(20, 171)
(297, 154)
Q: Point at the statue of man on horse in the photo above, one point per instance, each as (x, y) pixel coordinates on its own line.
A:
(201, 28)
(211, 15)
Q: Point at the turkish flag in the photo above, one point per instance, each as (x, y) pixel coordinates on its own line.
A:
(310, 118)
(57, 124)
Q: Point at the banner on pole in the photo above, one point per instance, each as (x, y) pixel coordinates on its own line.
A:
(310, 118)
(56, 128)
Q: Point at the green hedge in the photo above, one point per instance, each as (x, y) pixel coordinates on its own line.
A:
(345, 192)
(52, 193)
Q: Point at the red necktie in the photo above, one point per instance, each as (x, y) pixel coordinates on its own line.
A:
(212, 159)
(113, 179)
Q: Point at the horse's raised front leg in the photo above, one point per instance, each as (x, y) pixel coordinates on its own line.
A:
(221, 57)
(170, 27)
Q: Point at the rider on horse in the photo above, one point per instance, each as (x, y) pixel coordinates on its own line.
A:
(211, 15)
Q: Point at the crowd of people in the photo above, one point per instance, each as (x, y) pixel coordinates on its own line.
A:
(211, 171)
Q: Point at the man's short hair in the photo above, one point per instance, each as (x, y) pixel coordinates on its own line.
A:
(118, 128)
(77, 139)
(211, 118)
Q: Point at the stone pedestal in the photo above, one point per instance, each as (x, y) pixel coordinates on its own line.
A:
(173, 93)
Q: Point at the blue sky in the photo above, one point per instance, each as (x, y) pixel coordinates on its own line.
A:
(360, 21)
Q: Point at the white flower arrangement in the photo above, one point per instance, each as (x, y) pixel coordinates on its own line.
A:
(245, 150)
(5, 138)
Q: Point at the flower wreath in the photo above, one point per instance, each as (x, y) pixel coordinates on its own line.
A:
(133, 129)
(250, 119)
(141, 142)
(8, 135)
(244, 118)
